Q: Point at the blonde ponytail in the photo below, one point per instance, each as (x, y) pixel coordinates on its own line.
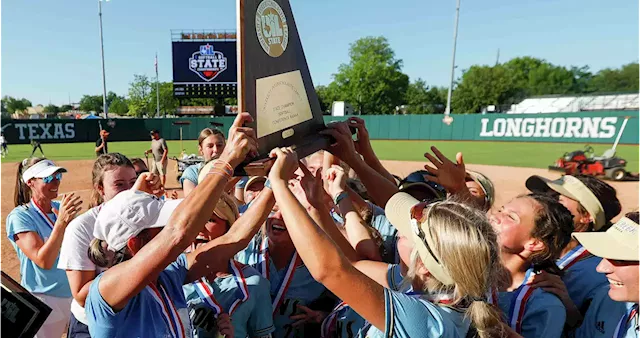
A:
(99, 254)
(486, 319)
(459, 232)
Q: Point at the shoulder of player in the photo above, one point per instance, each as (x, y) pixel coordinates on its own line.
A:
(252, 275)
(429, 312)
(84, 223)
(543, 301)
(20, 213)
(193, 168)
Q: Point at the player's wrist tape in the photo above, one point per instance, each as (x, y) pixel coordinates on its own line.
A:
(221, 168)
(339, 197)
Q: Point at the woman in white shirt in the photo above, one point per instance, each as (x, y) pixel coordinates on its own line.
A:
(112, 173)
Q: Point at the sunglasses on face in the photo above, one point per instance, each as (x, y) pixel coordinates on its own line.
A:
(418, 216)
(50, 178)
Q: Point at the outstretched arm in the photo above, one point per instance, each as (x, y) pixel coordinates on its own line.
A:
(125, 280)
(222, 249)
(357, 230)
(309, 191)
(363, 146)
(379, 188)
(324, 260)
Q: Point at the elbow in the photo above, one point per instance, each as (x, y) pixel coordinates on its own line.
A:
(327, 271)
(178, 234)
(43, 264)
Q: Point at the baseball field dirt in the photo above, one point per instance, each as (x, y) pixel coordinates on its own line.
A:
(509, 182)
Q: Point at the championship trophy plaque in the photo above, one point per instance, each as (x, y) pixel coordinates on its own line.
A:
(274, 83)
(22, 313)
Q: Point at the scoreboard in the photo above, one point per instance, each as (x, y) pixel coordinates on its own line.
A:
(204, 69)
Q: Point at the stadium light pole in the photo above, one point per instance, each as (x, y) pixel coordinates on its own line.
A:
(104, 81)
(453, 60)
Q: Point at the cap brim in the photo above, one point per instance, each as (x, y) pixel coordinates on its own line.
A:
(50, 171)
(166, 211)
(254, 179)
(407, 186)
(540, 184)
(398, 211)
(603, 245)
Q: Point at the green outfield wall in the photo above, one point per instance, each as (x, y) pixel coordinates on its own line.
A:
(582, 127)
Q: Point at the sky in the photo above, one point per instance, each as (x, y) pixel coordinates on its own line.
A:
(50, 50)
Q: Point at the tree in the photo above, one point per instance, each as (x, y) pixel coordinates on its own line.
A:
(140, 96)
(51, 109)
(66, 108)
(481, 86)
(609, 80)
(327, 95)
(12, 104)
(91, 103)
(119, 106)
(372, 80)
(168, 103)
(549, 79)
(421, 99)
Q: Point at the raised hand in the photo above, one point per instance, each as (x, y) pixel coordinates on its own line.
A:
(306, 315)
(149, 183)
(309, 188)
(337, 179)
(225, 327)
(550, 283)
(344, 147)
(241, 141)
(285, 165)
(363, 144)
(450, 175)
(69, 208)
(171, 195)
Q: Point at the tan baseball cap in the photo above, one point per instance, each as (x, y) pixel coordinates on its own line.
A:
(254, 179)
(226, 207)
(619, 242)
(573, 188)
(398, 211)
(486, 185)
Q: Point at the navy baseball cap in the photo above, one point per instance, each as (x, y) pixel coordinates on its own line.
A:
(416, 181)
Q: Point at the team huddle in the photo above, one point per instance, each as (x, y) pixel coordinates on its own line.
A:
(331, 245)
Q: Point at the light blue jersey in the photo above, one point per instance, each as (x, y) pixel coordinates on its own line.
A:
(252, 318)
(191, 173)
(395, 279)
(303, 289)
(389, 234)
(580, 277)
(242, 182)
(343, 322)
(26, 218)
(157, 311)
(346, 322)
(533, 312)
(605, 316)
(407, 316)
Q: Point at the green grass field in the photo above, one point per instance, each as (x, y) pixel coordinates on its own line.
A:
(517, 154)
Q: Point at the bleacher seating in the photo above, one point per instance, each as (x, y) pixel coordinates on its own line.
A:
(567, 104)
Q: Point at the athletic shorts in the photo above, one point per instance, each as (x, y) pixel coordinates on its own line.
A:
(159, 168)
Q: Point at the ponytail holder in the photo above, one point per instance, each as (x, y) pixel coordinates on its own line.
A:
(479, 299)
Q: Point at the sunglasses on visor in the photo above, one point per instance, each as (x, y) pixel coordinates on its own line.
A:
(418, 217)
(50, 178)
